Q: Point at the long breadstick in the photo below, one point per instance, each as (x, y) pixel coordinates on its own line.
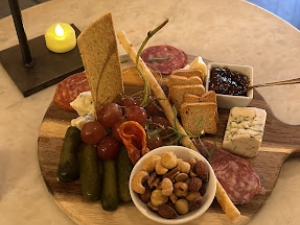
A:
(228, 207)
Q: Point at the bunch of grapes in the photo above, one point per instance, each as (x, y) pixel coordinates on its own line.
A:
(105, 131)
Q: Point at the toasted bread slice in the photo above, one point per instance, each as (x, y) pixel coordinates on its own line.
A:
(209, 96)
(199, 118)
(180, 80)
(98, 48)
(177, 92)
(190, 73)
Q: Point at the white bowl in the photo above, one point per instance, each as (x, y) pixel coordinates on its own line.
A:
(229, 101)
(185, 154)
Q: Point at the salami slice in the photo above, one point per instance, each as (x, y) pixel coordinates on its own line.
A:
(68, 89)
(235, 174)
(164, 59)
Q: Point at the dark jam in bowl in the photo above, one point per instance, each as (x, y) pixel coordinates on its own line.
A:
(228, 82)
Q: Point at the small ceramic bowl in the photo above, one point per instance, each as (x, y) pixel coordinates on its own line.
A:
(185, 154)
(229, 101)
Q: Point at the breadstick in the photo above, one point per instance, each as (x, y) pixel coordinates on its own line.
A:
(228, 207)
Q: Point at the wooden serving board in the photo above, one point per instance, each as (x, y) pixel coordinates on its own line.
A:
(280, 141)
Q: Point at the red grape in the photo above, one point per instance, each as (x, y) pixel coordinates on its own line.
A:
(153, 140)
(108, 148)
(93, 132)
(151, 109)
(163, 121)
(127, 102)
(115, 128)
(137, 114)
(109, 114)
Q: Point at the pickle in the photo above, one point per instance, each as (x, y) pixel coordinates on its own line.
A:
(124, 168)
(68, 168)
(109, 192)
(90, 178)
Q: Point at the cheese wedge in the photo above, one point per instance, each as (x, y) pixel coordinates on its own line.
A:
(98, 48)
(244, 131)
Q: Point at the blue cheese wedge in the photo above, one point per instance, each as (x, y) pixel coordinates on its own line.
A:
(84, 106)
(244, 131)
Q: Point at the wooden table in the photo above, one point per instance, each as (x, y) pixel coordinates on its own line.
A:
(229, 31)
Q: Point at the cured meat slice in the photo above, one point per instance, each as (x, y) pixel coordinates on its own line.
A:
(133, 136)
(164, 59)
(68, 89)
(235, 174)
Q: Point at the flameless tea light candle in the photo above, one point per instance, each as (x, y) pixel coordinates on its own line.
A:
(60, 38)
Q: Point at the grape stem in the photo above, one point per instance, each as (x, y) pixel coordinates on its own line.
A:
(147, 89)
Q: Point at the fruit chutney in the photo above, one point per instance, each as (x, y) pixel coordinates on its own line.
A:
(228, 82)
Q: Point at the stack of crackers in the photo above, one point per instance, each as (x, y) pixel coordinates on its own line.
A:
(197, 108)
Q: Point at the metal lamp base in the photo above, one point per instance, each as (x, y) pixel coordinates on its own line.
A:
(48, 68)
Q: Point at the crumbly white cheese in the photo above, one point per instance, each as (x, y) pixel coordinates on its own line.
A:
(81, 120)
(84, 106)
(244, 131)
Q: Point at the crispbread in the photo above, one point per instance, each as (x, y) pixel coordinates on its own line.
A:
(209, 96)
(189, 73)
(177, 92)
(199, 118)
(180, 80)
(98, 48)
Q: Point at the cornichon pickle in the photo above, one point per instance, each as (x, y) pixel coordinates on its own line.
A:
(68, 168)
(90, 178)
(109, 192)
(124, 168)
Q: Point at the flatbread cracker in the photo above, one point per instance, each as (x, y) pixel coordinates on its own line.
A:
(98, 48)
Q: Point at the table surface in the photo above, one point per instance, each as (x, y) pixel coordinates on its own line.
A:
(231, 31)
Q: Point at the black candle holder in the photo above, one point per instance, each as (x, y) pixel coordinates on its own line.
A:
(41, 68)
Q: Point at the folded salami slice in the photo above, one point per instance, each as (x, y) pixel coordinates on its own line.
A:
(235, 174)
(164, 59)
(68, 89)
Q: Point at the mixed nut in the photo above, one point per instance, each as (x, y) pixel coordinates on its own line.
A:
(171, 186)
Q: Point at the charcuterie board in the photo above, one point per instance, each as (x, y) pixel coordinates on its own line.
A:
(280, 141)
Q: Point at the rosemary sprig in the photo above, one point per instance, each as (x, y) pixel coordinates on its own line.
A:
(146, 84)
(158, 59)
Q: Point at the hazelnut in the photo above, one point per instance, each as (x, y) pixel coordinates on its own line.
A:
(182, 206)
(180, 189)
(191, 195)
(181, 177)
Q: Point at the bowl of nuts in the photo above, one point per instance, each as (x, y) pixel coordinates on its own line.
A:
(172, 185)
(230, 82)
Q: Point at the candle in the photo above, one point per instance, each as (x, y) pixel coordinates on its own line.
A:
(60, 38)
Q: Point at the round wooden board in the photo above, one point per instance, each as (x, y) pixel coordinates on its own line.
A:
(280, 141)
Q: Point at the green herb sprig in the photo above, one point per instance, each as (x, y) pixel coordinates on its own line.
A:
(147, 89)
